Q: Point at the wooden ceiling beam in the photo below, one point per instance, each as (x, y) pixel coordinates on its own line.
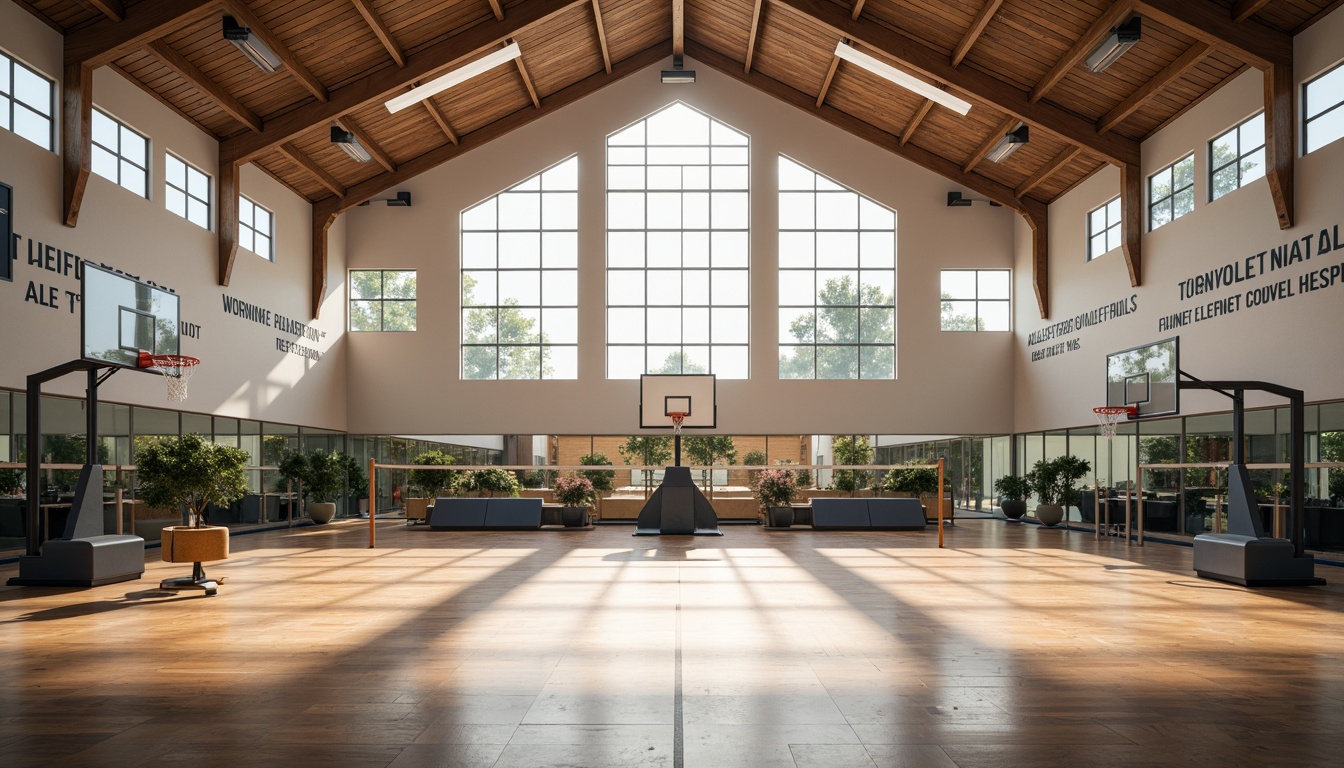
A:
(987, 12)
(76, 139)
(105, 40)
(112, 9)
(442, 120)
(1245, 9)
(348, 123)
(1148, 90)
(980, 87)
(1100, 29)
(995, 136)
(381, 31)
(826, 84)
(751, 36)
(496, 9)
(1039, 221)
(322, 221)
(296, 69)
(297, 157)
(915, 120)
(201, 82)
(1257, 44)
(601, 37)
(1131, 221)
(1047, 170)
(527, 82)
(1280, 140)
(226, 207)
(678, 27)
(858, 9)
(382, 84)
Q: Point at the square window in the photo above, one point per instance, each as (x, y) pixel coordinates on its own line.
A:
(385, 300)
(254, 228)
(1171, 192)
(121, 155)
(187, 191)
(979, 299)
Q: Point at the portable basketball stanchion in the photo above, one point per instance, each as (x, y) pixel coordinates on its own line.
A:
(176, 370)
(1108, 417)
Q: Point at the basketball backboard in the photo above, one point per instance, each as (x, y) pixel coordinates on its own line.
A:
(123, 317)
(691, 394)
(1146, 378)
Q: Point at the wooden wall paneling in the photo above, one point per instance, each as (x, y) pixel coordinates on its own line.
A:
(1138, 98)
(188, 71)
(102, 42)
(995, 135)
(226, 205)
(312, 169)
(1255, 43)
(751, 36)
(1131, 221)
(295, 68)
(1046, 171)
(76, 139)
(601, 38)
(441, 119)
(1279, 143)
(977, 28)
(114, 10)
(380, 30)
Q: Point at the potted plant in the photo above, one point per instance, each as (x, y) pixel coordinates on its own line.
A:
(192, 472)
(1013, 492)
(320, 476)
(11, 481)
(911, 480)
(491, 482)
(776, 489)
(603, 480)
(575, 493)
(356, 483)
(754, 459)
(1052, 480)
(429, 484)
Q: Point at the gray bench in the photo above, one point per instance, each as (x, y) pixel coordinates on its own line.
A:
(1251, 561)
(860, 514)
(89, 562)
(485, 514)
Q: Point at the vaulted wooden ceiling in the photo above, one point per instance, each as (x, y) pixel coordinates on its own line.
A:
(1012, 59)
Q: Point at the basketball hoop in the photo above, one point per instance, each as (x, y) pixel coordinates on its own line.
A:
(176, 370)
(1108, 416)
(676, 418)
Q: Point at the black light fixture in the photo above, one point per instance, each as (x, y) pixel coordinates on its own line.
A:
(254, 49)
(958, 200)
(676, 75)
(402, 200)
(1009, 143)
(1121, 39)
(347, 141)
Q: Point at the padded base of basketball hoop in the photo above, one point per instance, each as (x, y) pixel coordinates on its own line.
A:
(677, 508)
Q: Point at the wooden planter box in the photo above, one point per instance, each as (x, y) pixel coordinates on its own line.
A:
(184, 544)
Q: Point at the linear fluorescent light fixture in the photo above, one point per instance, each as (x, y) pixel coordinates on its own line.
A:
(402, 200)
(460, 75)
(255, 50)
(346, 140)
(958, 200)
(908, 82)
(1121, 39)
(1009, 143)
(676, 75)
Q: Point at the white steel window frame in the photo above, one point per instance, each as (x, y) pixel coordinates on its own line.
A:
(250, 234)
(381, 301)
(1002, 306)
(112, 159)
(1328, 116)
(193, 194)
(16, 108)
(1173, 196)
(1243, 151)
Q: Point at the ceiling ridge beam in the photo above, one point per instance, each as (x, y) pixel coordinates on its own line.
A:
(348, 123)
(295, 156)
(1192, 56)
(678, 27)
(979, 86)
(105, 40)
(1047, 170)
(481, 136)
(527, 80)
(496, 9)
(981, 21)
(995, 136)
(1245, 9)
(1257, 44)
(1100, 29)
(381, 31)
(296, 69)
(915, 120)
(601, 36)
(381, 84)
(751, 36)
(112, 9)
(442, 120)
(202, 82)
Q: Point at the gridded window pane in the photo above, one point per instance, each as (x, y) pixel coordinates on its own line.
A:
(1171, 192)
(1235, 158)
(1324, 114)
(520, 280)
(383, 300)
(26, 102)
(254, 228)
(677, 248)
(979, 299)
(1103, 229)
(120, 154)
(187, 191)
(837, 280)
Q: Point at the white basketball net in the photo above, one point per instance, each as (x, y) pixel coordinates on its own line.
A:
(677, 418)
(176, 378)
(1109, 419)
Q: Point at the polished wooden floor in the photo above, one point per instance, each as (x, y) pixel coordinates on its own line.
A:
(1014, 646)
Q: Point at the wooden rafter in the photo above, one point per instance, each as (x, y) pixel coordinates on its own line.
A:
(527, 82)
(1279, 140)
(441, 119)
(380, 30)
(226, 203)
(105, 40)
(1148, 90)
(297, 157)
(1131, 221)
(915, 120)
(384, 83)
(1256, 44)
(751, 36)
(112, 9)
(601, 36)
(496, 9)
(678, 27)
(202, 82)
(348, 123)
(1039, 221)
(1047, 170)
(1108, 20)
(322, 221)
(995, 136)
(858, 9)
(76, 138)
(826, 84)
(1245, 9)
(987, 12)
(293, 66)
(979, 86)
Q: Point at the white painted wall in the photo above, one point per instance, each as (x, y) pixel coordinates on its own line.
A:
(1289, 342)
(946, 382)
(243, 373)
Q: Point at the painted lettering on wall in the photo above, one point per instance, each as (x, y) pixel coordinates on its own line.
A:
(1255, 268)
(57, 263)
(271, 319)
(1097, 316)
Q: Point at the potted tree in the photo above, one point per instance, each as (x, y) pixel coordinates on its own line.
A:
(776, 489)
(430, 483)
(192, 472)
(603, 480)
(851, 450)
(1052, 480)
(356, 484)
(320, 476)
(1013, 492)
(491, 482)
(575, 493)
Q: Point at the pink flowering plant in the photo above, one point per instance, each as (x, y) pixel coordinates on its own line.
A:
(776, 487)
(573, 490)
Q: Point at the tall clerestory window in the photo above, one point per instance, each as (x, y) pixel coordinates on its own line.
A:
(837, 280)
(520, 275)
(677, 251)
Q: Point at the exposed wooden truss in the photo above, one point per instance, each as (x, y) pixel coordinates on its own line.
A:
(1100, 28)
(112, 9)
(293, 66)
(100, 43)
(527, 82)
(296, 156)
(1245, 9)
(442, 120)
(915, 120)
(678, 27)
(497, 10)
(1148, 90)
(601, 36)
(1279, 140)
(381, 31)
(226, 187)
(192, 74)
(1131, 221)
(752, 35)
(1047, 170)
(348, 123)
(987, 12)
(995, 136)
